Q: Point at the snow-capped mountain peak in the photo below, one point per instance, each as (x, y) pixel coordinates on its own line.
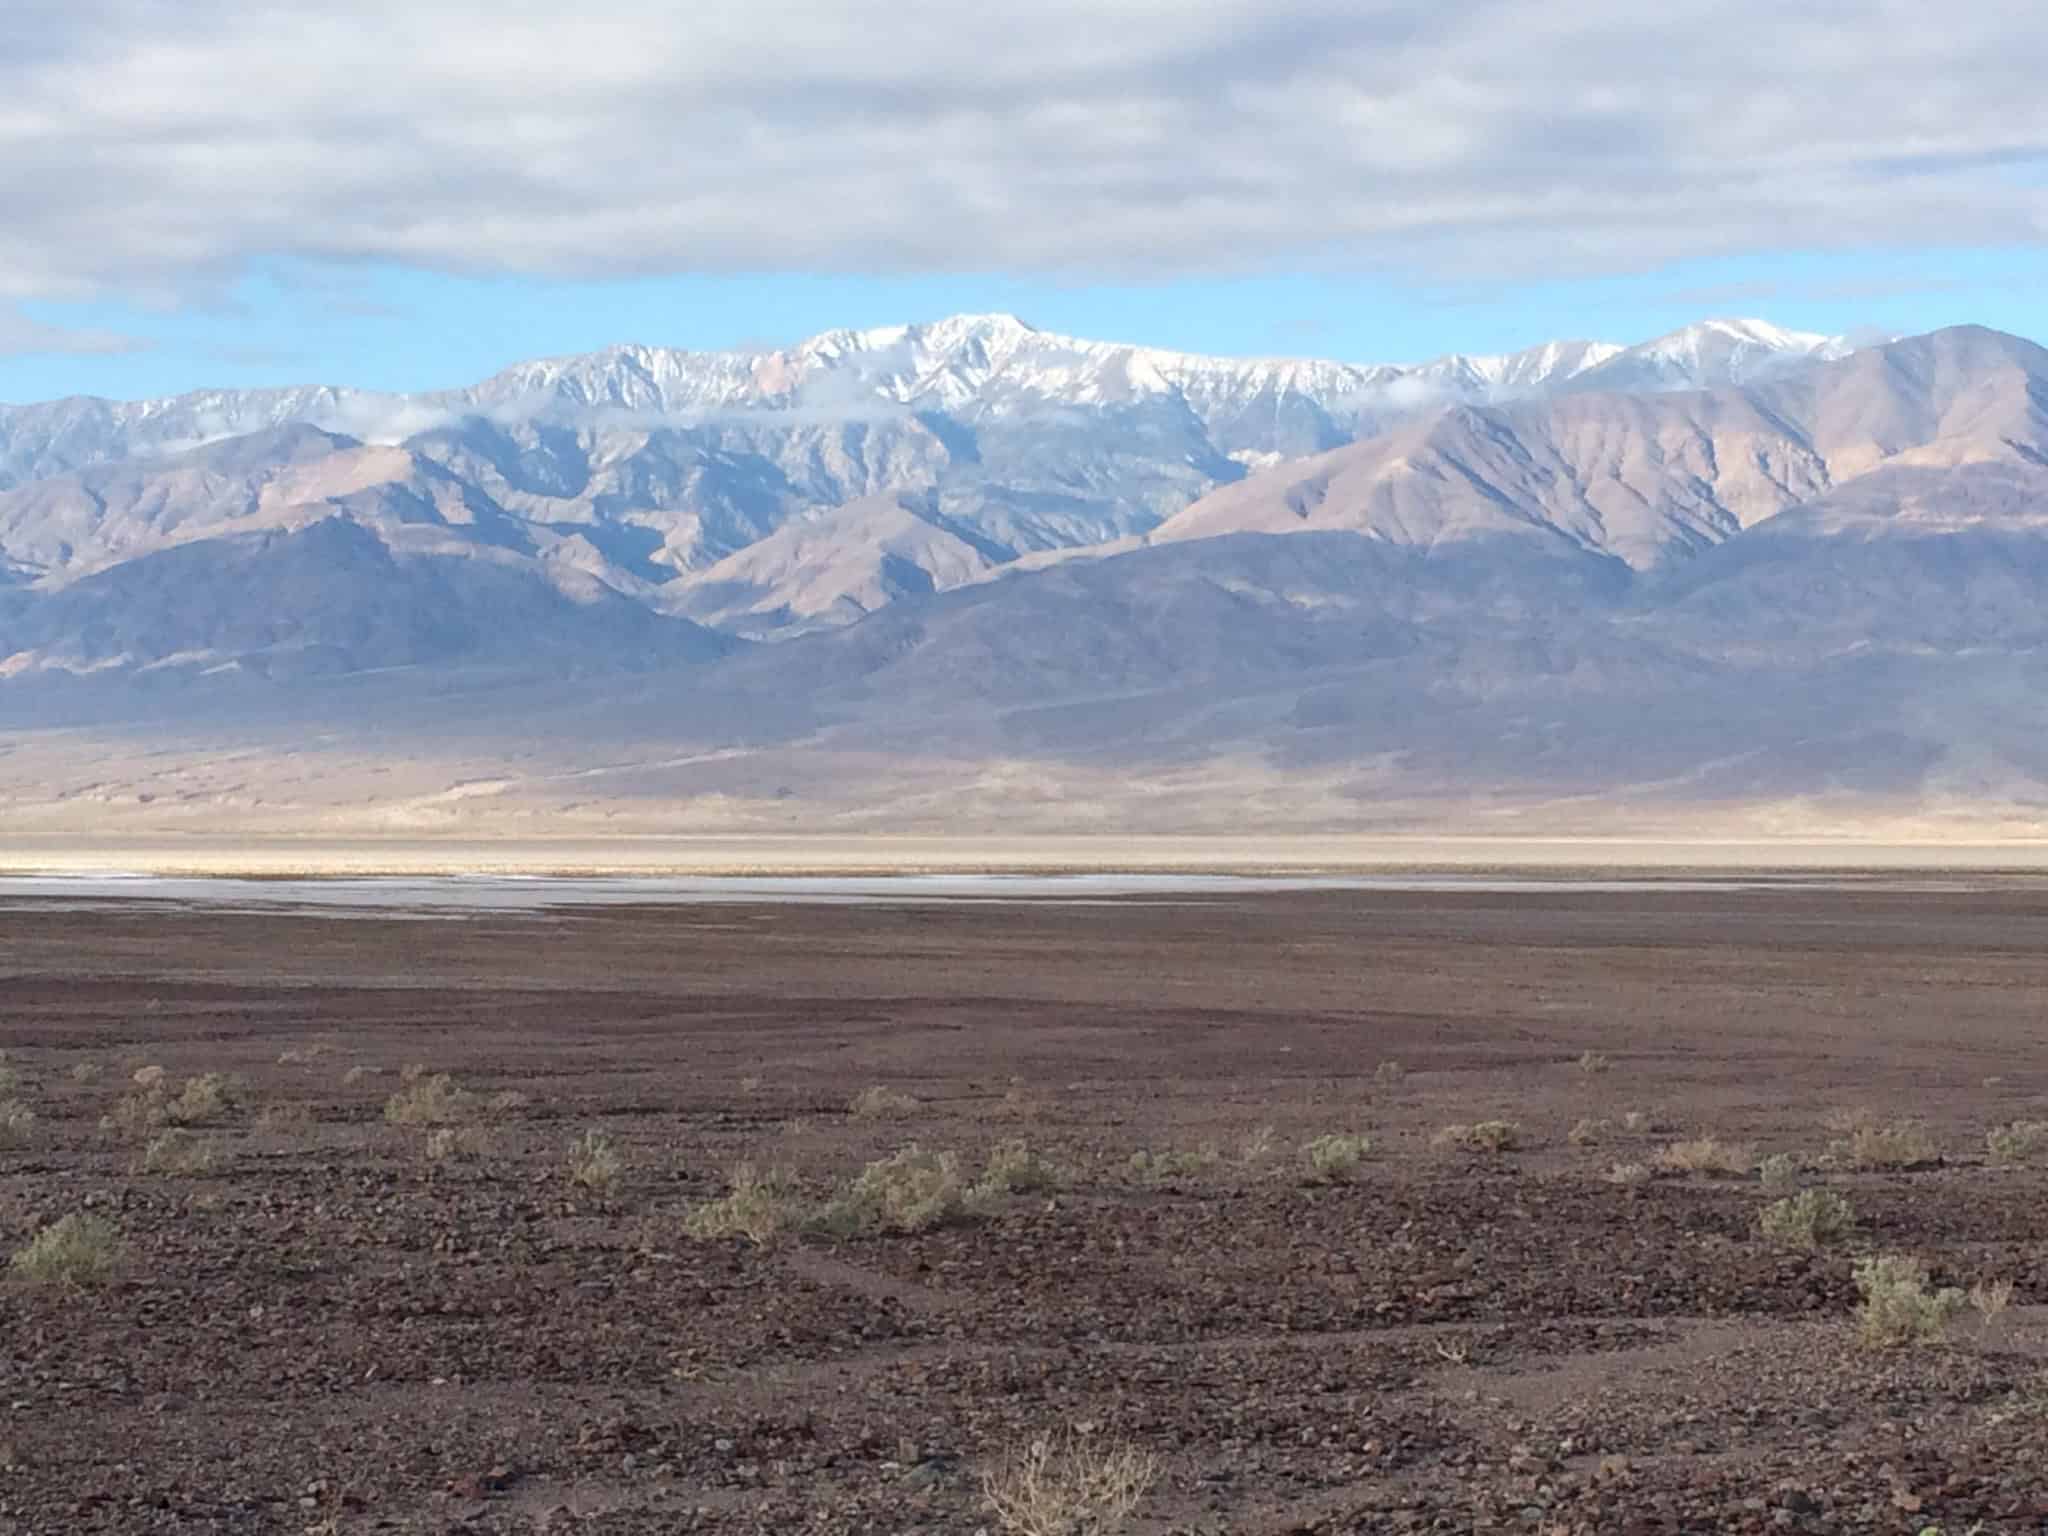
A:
(976, 366)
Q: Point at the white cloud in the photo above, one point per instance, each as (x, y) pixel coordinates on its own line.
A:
(21, 335)
(151, 147)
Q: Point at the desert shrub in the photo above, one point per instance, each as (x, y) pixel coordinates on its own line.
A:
(1334, 1159)
(757, 1206)
(1593, 1063)
(179, 1153)
(1014, 1169)
(1174, 1164)
(427, 1100)
(75, 1252)
(86, 1071)
(1778, 1171)
(1990, 1298)
(136, 1115)
(1707, 1154)
(912, 1191)
(454, 1144)
(17, 1123)
(1898, 1307)
(1389, 1074)
(595, 1163)
(1589, 1133)
(508, 1102)
(879, 1103)
(1259, 1144)
(1812, 1218)
(202, 1099)
(1901, 1144)
(151, 1076)
(413, 1071)
(1629, 1175)
(2027, 1403)
(1069, 1487)
(1486, 1136)
(2018, 1142)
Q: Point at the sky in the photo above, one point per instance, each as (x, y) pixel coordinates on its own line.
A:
(408, 194)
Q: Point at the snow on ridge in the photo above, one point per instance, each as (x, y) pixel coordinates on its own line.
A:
(992, 360)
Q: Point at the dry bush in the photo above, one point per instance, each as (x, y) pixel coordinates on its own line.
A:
(1259, 1144)
(73, 1253)
(912, 1191)
(1898, 1307)
(595, 1163)
(1990, 1298)
(1707, 1154)
(136, 1115)
(151, 1076)
(1843, 1122)
(179, 1153)
(1590, 1133)
(1171, 1165)
(1778, 1171)
(1812, 1218)
(412, 1072)
(509, 1102)
(2019, 1142)
(17, 1123)
(1014, 1169)
(1629, 1175)
(1335, 1159)
(358, 1074)
(1592, 1063)
(455, 1144)
(86, 1071)
(1069, 1487)
(1901, 1144)
(1017, 1102)
(203, 1098)
(879, 1103)
(1486, 1136)
(757, 1206)
(427, 1100)
(1389, 1074)
(2027, 1403)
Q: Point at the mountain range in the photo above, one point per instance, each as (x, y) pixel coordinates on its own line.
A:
(975, 570)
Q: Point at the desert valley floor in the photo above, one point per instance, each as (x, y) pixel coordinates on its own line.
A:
(354, 1286)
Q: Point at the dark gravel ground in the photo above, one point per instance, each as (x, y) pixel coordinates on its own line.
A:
(330, 1329)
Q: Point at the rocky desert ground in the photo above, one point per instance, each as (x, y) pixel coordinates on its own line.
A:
(1678, 1208)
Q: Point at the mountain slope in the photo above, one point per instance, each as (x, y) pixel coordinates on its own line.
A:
(1040, 441)
(838, 565)
(1828, 583)
(329, 597)
(1648, 477)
